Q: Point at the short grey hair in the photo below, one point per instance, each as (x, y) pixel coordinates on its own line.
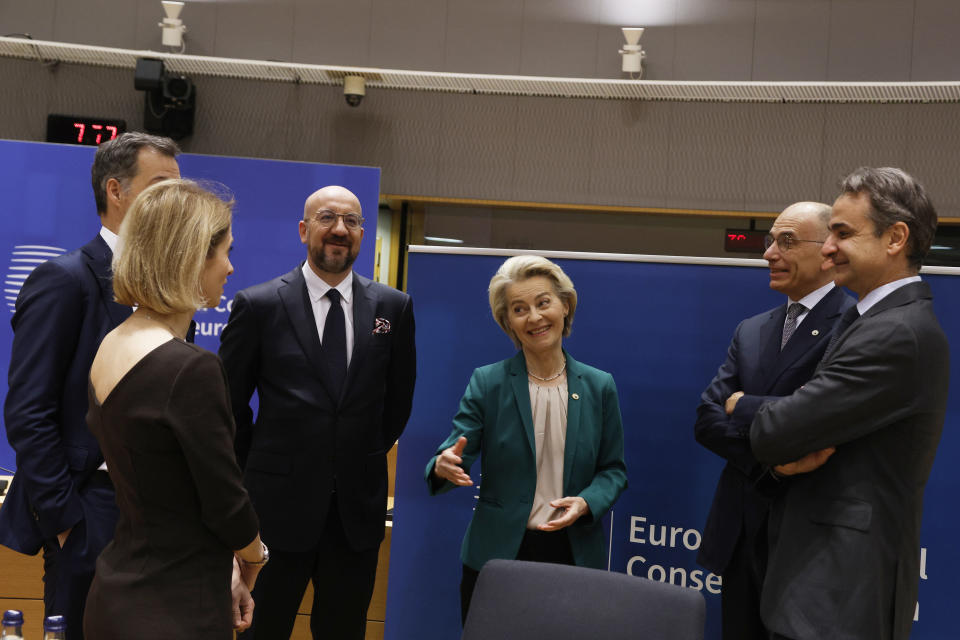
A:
(823, 213)
(895, 196)
(117, 159)
(520, 268)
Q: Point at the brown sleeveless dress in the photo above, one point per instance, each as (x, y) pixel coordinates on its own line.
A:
(166, 431)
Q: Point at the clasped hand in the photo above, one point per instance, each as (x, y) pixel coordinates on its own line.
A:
(573, 507)
(806, 464)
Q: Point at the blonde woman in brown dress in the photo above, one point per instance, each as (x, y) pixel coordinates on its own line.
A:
(186, 549)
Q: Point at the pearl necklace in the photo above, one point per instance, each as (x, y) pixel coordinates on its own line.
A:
(553, 377)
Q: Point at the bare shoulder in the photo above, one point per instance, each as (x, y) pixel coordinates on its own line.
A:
(120, 352)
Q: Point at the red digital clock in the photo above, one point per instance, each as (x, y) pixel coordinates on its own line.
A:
(80, 130)
(744, 241)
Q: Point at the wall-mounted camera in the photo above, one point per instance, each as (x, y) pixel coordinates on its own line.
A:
(170, 99)
(354, 88)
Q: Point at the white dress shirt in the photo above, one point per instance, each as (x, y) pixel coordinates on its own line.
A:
(110, 238)
(317, 290)
(882, 292)
(810, 300)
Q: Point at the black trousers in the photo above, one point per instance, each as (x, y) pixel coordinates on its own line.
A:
(68, 572)
(536, 546)
(742, 585)
(342, 579)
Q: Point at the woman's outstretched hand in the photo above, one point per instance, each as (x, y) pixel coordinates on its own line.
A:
(447, 466)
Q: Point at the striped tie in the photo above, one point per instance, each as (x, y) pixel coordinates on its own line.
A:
(793, 312)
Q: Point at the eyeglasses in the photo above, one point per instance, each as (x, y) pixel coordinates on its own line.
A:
(327, 218)
(785, 241)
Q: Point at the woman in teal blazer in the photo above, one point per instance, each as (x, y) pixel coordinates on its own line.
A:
(549, 429)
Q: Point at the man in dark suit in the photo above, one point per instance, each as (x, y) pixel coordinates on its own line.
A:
(331, 356)
(844, 538)
(61, 499)
(771, 354)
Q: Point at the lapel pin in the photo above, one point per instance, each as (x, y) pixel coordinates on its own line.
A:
(815, 332)
(575, 396)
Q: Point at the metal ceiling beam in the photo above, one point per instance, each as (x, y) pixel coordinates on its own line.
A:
(484, 84)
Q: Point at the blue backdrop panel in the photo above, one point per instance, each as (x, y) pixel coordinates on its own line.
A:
(47, 207)
(662, 330)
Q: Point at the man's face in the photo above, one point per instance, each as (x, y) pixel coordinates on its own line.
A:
(797, 270)
(853, 248)
(152, 167)
(331, 249)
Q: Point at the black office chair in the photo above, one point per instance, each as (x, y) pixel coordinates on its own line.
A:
(541, 601)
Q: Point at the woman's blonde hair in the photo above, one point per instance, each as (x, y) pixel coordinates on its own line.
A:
(166, 237)
(520, 268)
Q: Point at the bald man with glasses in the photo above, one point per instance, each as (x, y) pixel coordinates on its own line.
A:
(332, 359)
(771, 355)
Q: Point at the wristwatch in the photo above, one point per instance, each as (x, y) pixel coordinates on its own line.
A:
(264, 559)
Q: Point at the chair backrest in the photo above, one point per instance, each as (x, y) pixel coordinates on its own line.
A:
(536, 600)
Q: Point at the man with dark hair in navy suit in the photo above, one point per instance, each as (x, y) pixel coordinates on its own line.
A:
(844, 559)
(61, 499)
(771, 355)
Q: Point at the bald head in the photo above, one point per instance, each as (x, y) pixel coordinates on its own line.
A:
(794, 259)
(333, 198)
(332, 230)
(816, 213)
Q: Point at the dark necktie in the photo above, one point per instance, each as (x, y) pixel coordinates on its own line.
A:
(334, 342)
(793, 312)
(848, 318)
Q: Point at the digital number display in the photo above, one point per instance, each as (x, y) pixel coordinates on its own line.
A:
(744, 241)
(81, 130)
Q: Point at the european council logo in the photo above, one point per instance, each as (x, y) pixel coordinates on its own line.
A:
(23, 260)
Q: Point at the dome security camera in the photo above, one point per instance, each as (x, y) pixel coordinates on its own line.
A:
(354, 88)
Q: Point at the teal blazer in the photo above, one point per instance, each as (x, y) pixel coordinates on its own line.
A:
(496, 418)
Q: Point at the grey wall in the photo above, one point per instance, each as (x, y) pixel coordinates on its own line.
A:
(835, 40)
(754, 157)
(572, 231)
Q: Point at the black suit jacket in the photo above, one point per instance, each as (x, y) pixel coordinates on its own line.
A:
(305, 444)
(755, 365)
(845, 549)
(63, 311)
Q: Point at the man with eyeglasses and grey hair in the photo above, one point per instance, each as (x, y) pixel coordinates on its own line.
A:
(332, 359)
(771, 355)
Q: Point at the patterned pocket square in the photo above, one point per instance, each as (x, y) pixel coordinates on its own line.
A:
(381, 327)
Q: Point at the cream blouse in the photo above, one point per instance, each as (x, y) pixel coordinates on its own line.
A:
(549, 406)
